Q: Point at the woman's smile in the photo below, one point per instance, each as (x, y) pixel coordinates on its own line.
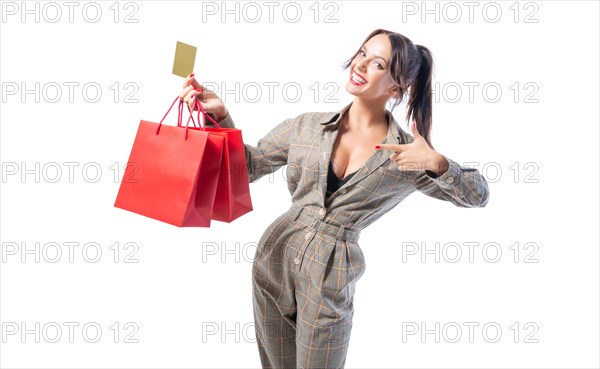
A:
(357, 79)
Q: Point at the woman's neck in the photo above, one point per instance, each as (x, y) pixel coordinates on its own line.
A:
(364, 115)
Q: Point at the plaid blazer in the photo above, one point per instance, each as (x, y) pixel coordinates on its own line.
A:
(305, 143)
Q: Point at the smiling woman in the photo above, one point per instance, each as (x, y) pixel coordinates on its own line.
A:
(308, 260)
(392, 63)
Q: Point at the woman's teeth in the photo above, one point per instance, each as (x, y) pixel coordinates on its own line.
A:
(357, 79)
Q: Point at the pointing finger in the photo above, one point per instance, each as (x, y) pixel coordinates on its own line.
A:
(394, 147)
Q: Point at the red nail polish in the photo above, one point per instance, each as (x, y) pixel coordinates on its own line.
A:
(197, 89)
(378, 147)
(191, 75)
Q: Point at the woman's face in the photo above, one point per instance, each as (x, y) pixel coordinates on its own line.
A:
(372, 65)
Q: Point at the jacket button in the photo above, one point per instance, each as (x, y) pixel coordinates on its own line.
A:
(321, 212)
(449, 180)
(297, 260)
(308, 235)
(343, 191)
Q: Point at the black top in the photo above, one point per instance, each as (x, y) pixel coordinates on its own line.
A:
(333, 182)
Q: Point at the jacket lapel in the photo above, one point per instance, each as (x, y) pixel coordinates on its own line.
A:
(328, 135)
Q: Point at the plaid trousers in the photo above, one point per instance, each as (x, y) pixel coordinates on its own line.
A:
(304, 276)
(308, 260)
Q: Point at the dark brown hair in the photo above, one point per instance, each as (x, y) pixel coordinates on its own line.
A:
(410, 66)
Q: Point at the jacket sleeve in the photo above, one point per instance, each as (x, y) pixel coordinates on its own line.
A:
(271, 151)
(463, 186)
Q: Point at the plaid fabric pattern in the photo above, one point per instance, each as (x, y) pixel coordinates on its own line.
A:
(308, 260)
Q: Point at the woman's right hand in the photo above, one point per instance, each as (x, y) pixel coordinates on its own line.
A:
(212, 104)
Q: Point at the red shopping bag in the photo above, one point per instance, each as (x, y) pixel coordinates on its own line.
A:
(232, 199)
(172, 173)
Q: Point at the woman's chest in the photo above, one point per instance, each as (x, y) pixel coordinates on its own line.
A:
(375, 175)
(352, 149)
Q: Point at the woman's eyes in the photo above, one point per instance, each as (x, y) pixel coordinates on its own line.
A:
(379, 66)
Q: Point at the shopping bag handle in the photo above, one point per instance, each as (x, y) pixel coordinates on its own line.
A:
(201, 109)
(167, 113)
(190, 117)
(179, 116)
(187, 124)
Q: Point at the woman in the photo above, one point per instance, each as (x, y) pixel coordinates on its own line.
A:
(308, 260)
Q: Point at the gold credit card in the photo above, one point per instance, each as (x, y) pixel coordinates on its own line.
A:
(185, 56)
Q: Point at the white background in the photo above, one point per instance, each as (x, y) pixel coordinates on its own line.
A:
(539, 149)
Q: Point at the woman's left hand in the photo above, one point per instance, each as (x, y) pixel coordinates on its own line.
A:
(417, 155)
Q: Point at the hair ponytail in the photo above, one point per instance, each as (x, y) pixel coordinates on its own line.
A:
(419, 105)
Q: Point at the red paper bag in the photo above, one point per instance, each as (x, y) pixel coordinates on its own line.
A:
(172, 173)
(232, 198)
